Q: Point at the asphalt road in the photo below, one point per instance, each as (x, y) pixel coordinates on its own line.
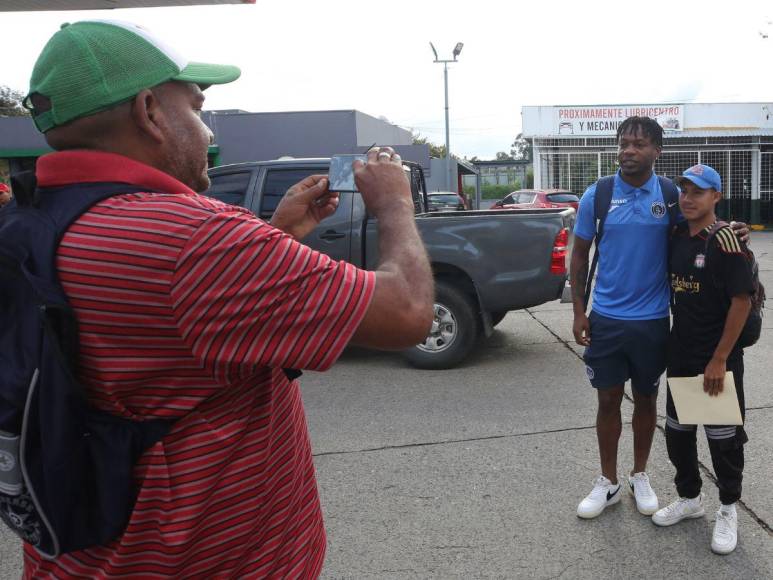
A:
(476, 472)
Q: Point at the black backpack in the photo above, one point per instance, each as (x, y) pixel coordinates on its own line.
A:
(752, 329)
(601, 203)
(65, 468)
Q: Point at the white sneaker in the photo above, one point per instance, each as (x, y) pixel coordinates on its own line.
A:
(646, 500)
(605, 493)
(681, 509)
(725, 536)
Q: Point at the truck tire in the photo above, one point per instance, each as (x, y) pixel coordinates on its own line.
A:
(454, 331)
(497, 317)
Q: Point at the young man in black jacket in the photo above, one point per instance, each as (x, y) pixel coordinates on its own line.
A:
(711, 284)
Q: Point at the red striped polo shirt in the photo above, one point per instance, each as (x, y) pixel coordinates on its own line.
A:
(188, 310)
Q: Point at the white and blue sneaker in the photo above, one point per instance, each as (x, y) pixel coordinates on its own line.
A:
(605, 493)
(646, 500)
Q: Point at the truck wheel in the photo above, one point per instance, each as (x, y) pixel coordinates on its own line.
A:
(454, 331)
(497, 317)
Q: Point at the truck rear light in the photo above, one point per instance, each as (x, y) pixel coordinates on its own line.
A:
(560, 249)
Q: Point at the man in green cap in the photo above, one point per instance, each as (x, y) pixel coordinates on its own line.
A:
(189, 309)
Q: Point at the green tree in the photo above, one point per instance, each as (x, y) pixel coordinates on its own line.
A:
(502, 156)
(437, 151)
(11, 103)
(522, 148)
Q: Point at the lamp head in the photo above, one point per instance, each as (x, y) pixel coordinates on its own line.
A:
(433, 50)
(458, 49)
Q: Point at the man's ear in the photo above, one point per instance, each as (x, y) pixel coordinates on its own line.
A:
(147, 115)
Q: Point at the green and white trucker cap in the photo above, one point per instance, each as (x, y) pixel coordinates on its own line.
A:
(90, 66)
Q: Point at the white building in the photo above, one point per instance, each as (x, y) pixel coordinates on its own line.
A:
(575, 145)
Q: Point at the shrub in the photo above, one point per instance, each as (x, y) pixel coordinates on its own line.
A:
(498, 191)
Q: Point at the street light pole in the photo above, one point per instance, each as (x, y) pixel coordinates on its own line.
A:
(448, 135)
(456, 51)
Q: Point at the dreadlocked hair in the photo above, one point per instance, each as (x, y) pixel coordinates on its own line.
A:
(647, 126)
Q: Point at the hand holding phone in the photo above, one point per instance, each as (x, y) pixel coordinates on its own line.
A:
(341, 174)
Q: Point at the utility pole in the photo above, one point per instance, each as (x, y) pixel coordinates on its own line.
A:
(457, 50)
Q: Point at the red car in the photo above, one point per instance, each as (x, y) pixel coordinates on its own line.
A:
(531, 198)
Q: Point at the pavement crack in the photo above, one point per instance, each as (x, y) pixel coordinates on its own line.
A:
(452, 441)
(557, 337)
(566, 568)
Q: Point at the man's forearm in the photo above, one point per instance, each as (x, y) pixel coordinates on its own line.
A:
(578, 277)
(578, 274)
(402, 253)
(736, 318)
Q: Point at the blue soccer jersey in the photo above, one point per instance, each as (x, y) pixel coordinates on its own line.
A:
(631, 279)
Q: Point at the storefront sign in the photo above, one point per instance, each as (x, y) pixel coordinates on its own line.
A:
(604, 120)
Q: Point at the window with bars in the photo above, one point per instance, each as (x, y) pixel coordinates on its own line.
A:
(574, 171)
(766, 176)
(672, 163)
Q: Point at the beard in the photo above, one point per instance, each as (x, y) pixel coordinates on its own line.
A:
(189, 167)
(187, 159)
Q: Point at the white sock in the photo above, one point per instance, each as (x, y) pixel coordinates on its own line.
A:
(728, 509)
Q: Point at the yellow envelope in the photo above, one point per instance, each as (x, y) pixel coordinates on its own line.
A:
(695, 407)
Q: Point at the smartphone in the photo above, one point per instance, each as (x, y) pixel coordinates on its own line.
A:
(341, 174)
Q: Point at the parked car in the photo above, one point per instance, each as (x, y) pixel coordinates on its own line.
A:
(485, 263)
(445, 201)
(531, 198)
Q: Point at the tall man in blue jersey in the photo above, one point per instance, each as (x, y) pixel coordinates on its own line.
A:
(626, 333)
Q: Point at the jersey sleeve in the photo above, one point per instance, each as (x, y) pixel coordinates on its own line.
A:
(246, 295)
(585, 225)
(735, 269)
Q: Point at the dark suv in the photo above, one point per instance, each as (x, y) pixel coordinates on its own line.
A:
(445, 201)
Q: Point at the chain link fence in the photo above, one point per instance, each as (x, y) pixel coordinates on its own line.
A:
(766, 187)
(577, 170)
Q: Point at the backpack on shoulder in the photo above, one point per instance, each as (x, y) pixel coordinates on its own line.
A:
(603, 200)
(752, 329)
(66, 479)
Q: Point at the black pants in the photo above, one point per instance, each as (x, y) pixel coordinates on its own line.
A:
(725, 443)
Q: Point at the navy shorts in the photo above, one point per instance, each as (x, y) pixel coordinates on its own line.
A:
(626, 349)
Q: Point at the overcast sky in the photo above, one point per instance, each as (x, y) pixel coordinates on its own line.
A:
(375, 56)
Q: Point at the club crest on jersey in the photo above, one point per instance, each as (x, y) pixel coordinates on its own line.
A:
(700, 261)
(658, 209)
(589, 372)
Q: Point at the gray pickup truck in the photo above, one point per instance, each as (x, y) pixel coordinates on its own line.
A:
(485, 263)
